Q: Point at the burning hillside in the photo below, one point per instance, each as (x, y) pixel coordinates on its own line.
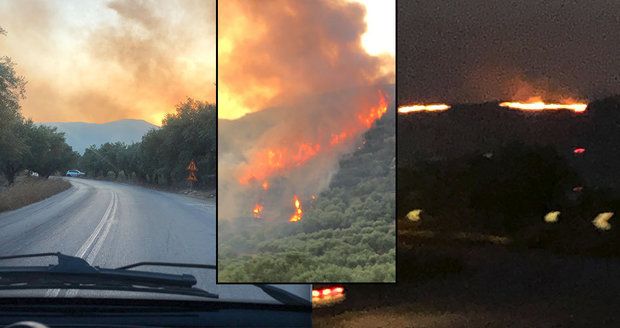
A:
(295, 108)
(534, 104)
(289, 158)
(586, 137)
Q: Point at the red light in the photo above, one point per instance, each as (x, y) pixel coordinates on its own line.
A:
(579, 150)
(578, 189)
(327, 291)
(338, 290)
(315, 293)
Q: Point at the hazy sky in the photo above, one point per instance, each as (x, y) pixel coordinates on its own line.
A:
(99, 60)
(475, 50)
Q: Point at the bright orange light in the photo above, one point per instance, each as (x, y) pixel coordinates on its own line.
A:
(537, 104)
(374, 113)
(257, 211)
(298, 212)
(423, 108)
(271, 161)
(338, 290)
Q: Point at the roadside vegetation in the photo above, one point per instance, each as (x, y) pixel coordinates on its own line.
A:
(162, 157)
(29, 150)
(347, 234)
(28, 190)
(24, 146)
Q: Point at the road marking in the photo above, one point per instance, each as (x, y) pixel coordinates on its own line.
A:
(82, 251)
(96, 238)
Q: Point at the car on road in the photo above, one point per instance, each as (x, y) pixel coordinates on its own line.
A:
(75, 173)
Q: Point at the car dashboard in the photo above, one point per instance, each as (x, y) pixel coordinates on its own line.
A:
(79, 312)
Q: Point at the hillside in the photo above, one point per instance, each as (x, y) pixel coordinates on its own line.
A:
(348, 234)
(482, 128)
(485, 169)
(80, 135)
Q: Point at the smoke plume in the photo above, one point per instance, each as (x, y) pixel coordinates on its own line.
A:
(109, 60)
(296, 90)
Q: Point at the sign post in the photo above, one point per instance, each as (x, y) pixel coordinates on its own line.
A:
(191, 178)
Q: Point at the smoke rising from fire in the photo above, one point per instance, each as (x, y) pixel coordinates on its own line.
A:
(109, 60)
(271, 53)
(296, 90)
(485, 50)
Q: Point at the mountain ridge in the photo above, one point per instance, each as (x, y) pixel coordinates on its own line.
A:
(81, 135)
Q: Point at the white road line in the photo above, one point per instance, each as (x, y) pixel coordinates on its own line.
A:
(93, 253)
(96, 236)
(88, 243)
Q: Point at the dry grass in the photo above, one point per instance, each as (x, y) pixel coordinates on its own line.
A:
(28, 190)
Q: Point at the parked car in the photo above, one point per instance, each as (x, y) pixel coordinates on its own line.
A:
(75, 173)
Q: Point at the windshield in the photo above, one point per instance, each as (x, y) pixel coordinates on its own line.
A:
(115, 162)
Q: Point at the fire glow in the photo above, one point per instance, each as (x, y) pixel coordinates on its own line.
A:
(298, 214)
(257, 211)
(536, 104)
(272, 161)
(423, 108)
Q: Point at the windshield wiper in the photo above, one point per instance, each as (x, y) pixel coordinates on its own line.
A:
(279, 294)
(75, 273)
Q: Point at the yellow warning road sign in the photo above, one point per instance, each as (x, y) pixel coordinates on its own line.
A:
(192, 177)
(192, 166)
(192, 171)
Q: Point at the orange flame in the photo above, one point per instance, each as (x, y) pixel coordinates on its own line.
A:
(536, 104)
(374, 113)
(271, 161)
(423, 108)
(298, 212)
(257, 211)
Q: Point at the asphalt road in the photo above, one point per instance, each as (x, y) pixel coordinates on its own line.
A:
(112, 224)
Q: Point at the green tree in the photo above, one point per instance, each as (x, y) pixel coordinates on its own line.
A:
(48, 151)
(13, 146)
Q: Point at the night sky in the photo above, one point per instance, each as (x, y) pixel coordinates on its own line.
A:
(478, 50)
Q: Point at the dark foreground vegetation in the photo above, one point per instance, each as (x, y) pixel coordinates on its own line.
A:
(348, 234)
(480, 253)
(507, 188)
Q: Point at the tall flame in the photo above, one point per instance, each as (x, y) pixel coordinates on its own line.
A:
(298, 212)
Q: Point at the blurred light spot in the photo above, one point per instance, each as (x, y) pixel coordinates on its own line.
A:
(601, 221)
(414, 215)
(552, 217)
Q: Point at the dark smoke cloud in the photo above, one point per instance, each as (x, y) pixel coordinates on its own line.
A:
(477, 50)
